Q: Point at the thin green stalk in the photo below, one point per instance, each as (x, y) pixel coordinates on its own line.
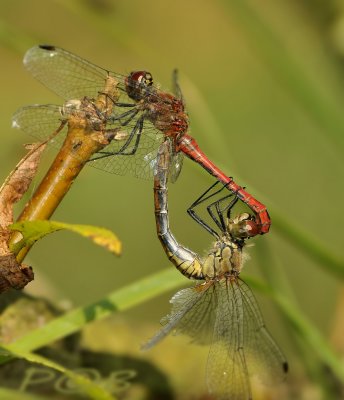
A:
(155, 285)
(119, 300)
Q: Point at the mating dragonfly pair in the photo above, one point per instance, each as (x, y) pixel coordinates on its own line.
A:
(142, 130)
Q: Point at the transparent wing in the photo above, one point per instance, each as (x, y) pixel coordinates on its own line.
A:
(263, 356)
(41, 121)
(141, 164)
(72, 77)
(192, 314)
(226, 372)
(176, 166)
(66, 74)
(241, 344)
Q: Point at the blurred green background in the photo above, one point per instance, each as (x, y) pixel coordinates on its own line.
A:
(263, 84)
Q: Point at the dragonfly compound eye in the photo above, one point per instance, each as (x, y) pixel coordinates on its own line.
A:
(242, 226)
(137, 83)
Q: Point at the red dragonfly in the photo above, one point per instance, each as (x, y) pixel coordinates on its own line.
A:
(146, 115)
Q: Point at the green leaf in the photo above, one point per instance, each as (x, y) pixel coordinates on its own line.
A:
(35, 230)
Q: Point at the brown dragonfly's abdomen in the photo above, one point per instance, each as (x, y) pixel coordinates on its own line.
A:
(185, 260)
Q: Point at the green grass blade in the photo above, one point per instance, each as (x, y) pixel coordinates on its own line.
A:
(150, 287)
(119, 300)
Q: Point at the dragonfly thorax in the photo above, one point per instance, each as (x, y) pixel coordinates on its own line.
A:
(167, 115)
(225, 257)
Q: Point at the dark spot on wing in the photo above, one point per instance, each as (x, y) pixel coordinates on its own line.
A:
(47, 47)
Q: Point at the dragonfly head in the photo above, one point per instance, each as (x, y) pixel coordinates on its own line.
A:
(138, 83)
(242, 227)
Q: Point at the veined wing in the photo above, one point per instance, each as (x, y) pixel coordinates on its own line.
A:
(72, 77)
(192, 314)
(141, 164)
(241, 344)
(226, 372)
(66, 74)
(176, 165)
(263, 356)
(41, 121)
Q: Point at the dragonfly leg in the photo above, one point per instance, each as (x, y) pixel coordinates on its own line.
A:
(204, 197)
(95, 108)
(137, 130)
(115, 103)
(131, 113)
(125, 104)
(201, 222)
(219, 219)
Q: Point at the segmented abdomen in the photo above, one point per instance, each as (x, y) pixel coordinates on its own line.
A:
(185, 260)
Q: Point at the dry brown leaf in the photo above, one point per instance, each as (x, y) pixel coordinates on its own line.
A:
(18, 181)
(12, 274)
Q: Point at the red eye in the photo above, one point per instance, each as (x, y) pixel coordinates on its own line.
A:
(137, 76)
(136, 84)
